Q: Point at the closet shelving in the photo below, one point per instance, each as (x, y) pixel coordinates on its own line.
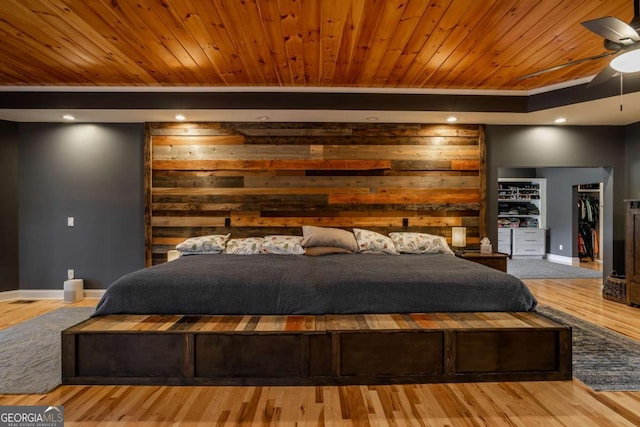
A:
(522, 216)
(523, 200)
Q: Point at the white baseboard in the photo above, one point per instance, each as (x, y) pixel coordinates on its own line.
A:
(9, 295)
(559, 259)
(94, 293)
(46, 294)
(41, 294)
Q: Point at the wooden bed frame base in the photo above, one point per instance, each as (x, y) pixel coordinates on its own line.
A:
(316, 350)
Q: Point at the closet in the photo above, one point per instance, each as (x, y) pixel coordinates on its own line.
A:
(589, 222)
(522, 216)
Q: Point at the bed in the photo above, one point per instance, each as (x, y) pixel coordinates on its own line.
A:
(379, 321)
(333, 284)
(329, 320)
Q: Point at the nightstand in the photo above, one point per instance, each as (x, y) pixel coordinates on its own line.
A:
(495, 260)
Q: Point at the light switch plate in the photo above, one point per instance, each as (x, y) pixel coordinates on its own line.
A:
(70, 273)
(70, 221)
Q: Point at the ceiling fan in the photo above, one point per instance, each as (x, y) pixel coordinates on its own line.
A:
(620, 39)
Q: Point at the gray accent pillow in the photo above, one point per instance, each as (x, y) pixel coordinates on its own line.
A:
(325, 250)
(328, 237)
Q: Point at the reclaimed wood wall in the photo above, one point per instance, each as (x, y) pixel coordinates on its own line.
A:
(254, 179)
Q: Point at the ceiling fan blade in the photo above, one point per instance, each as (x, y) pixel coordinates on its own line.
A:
(613, 29)
(566, 64)
(603, 76)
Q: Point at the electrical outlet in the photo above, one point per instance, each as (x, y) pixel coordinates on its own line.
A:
(70, 221)
(560, 247)
(70, 273)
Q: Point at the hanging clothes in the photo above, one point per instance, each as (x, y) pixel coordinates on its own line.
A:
(588, 220)
(582, 250)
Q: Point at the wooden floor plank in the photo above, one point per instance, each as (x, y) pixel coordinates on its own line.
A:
(562, 403)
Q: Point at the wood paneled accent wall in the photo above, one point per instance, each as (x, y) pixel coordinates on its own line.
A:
(254, 179)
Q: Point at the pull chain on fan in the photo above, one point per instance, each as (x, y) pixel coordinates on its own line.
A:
(621, 92)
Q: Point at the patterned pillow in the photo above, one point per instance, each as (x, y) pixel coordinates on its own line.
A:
(213, 244)
(284, 245)
(246, 246)
(374, 243)
(328, 237)
(420, 243)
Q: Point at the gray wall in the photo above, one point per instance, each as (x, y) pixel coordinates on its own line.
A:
(517, 173)
(8, 206)
(95, 174)
(632, 139)
(564, 146)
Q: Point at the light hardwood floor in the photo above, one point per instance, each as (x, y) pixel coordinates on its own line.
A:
(564, 403)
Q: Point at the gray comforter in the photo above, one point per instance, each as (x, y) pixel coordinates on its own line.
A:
(298, 284)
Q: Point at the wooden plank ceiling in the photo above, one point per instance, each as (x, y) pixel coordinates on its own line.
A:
(445, 44)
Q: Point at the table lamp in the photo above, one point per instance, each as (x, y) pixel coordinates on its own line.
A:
(458, 239)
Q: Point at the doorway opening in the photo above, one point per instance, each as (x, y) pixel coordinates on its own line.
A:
(590, 208)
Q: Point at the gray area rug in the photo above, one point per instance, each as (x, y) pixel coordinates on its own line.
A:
(30, 359)
(543, 269)
(602, 359)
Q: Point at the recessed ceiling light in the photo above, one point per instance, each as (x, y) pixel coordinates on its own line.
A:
(560, 120)
(452, 119)
(373, 118)
(262, 118)
(180, 117)
(68, 117)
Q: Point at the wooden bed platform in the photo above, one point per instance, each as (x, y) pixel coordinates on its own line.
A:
(316, 350)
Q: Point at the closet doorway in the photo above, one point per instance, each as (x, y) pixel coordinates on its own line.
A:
(562, 212)
(590, 210)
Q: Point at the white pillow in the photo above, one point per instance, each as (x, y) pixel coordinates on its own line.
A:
(213, 244)
(283, 245)
(420, 243)
(246, 246)
(374, 243)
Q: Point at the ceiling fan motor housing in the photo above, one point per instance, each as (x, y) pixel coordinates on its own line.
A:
(611, 45)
